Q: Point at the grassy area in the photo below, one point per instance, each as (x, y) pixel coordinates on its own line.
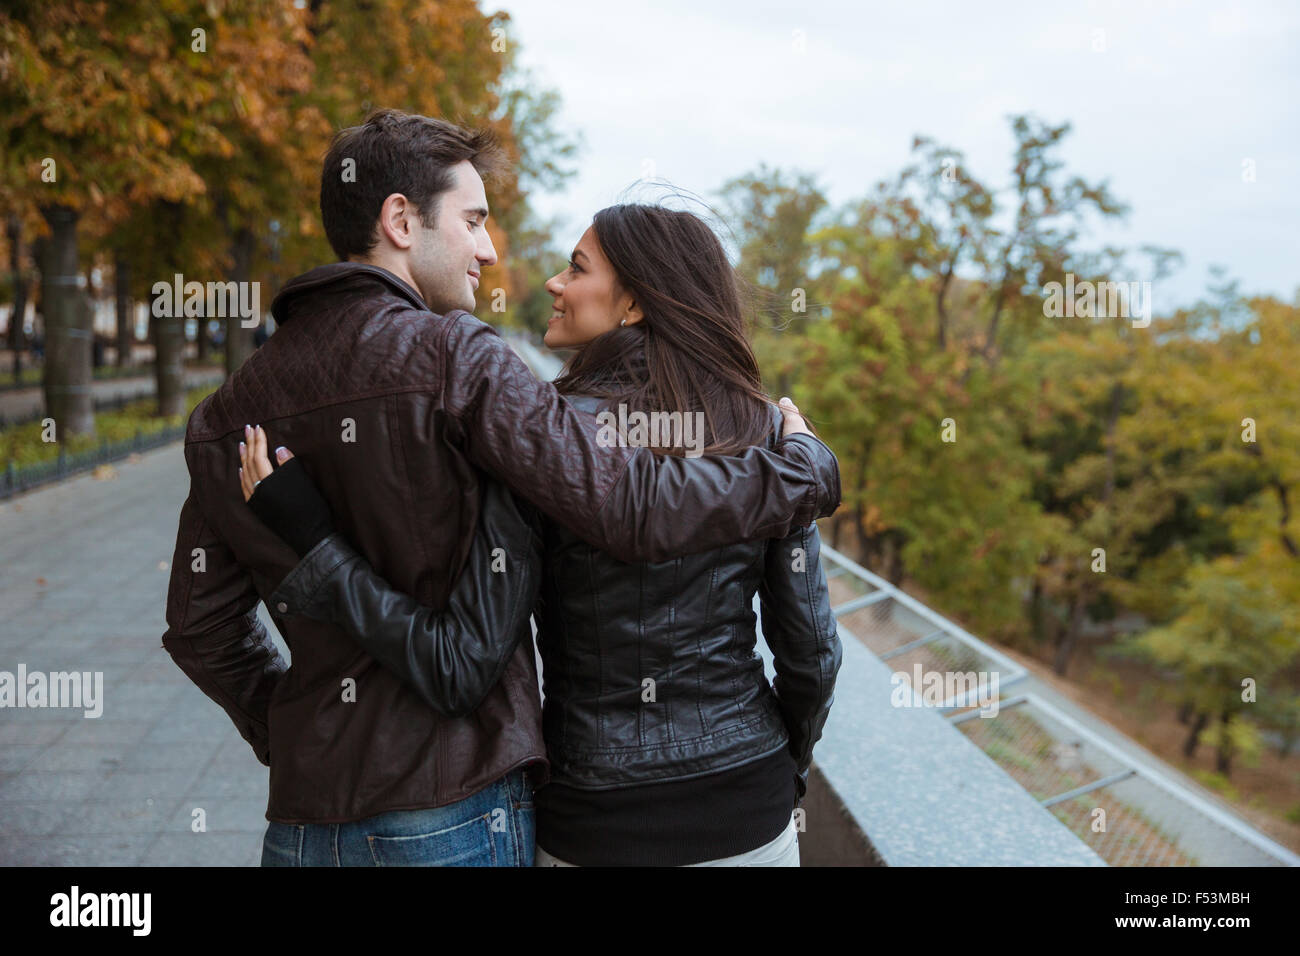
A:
(31, 374)
(22, 444)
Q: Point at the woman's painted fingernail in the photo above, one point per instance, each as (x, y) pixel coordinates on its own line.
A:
(241, 447)
(281, 454)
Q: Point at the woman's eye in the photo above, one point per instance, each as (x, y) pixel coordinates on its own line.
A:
(573, 266)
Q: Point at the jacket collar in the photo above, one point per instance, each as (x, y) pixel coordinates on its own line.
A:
(340, 275)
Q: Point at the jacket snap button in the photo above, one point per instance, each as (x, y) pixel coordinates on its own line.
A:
(282, 607)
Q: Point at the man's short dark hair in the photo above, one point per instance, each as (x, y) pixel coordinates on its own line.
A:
(395, 152)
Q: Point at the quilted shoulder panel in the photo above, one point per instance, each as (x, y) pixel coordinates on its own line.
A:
(363, 346)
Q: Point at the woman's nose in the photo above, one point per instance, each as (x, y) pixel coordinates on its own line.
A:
(554, 286)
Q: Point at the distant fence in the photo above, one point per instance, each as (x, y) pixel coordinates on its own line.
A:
(16, 480)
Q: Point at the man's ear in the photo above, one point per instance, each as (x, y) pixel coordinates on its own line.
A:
(395, 221)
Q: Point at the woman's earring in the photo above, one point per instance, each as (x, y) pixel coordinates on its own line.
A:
(624, 322)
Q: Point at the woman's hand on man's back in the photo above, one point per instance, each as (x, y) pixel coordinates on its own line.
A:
(794, 423)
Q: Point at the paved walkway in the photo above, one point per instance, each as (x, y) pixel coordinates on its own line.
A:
(83, 585)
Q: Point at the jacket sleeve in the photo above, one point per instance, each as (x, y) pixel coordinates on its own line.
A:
(799, 627)
(628, 502)
(213, 633)
(451, 658)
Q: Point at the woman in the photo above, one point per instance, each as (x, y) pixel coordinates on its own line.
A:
(667, 744)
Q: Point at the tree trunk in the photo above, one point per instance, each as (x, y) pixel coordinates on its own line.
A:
(859, 526)
(1112, 421)
(1037, 612)
(67, 329)
(1189, 745)
(1069, 636)
(783, 383)
(169, 363)
(893, 560)
(239, 340)
(122, 303)
(14, 233)
(940, 307)
(1285, 518)
(1223, 755)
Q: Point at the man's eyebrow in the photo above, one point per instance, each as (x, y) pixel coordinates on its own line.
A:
(481, 211)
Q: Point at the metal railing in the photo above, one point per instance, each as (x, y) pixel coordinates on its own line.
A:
(1130, 811)
(16, 480)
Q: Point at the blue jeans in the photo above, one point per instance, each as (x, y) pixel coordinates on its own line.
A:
(493, 827)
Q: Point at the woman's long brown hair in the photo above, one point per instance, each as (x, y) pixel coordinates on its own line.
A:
(690, 352)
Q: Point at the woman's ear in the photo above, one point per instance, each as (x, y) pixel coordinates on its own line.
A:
(632, 313)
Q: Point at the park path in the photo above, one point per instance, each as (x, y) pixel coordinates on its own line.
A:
(21, 404)
(83, 586)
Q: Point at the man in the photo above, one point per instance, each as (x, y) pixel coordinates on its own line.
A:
(379, 377)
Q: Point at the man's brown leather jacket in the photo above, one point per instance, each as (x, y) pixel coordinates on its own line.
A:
(398, 412)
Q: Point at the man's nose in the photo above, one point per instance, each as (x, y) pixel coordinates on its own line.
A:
(488, 257)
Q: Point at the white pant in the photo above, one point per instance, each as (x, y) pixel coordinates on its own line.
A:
(782, 851)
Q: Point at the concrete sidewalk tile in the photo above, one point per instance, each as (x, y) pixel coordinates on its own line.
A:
(158, 785)
(34, 818)
(69, 785)
(16, 757)
(220, 814)
(143, 757)
(233, 784)
(47, 638)
(104, 817)
(205, 849)
(134, 643)
(27, 716)
(235, 755)
(130, 687)
(187, 728)
(116, 850)
(41, 734)
(101, 731)
(93, 757)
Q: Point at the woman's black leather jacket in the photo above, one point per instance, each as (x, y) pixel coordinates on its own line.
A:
(649, 670)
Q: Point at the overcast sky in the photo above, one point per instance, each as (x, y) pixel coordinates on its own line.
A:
(1179, 96)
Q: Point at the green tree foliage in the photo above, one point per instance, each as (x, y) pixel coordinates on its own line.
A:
(1044, 478)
